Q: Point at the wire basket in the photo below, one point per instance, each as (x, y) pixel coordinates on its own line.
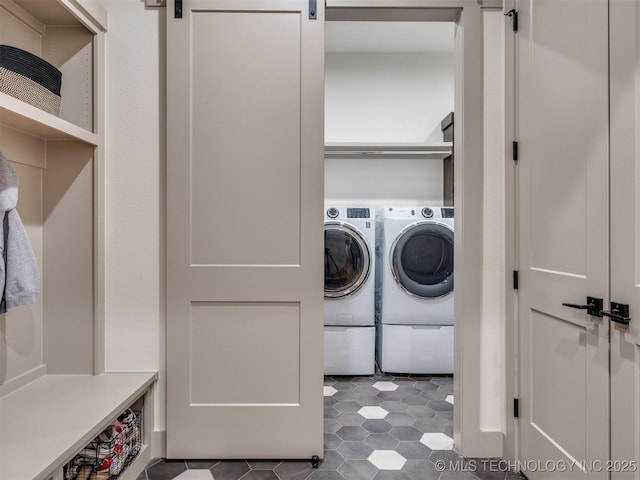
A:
(29, 78)
(109, 453)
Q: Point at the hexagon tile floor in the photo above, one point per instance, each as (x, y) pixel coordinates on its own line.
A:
(381, 427)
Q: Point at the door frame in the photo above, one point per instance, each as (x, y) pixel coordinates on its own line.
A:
(469, 436)
(512, 333)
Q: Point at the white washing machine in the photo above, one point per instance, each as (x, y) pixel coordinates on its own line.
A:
(414, 289)
(349, 289)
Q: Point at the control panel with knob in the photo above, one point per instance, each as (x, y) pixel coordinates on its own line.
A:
(427, 212)
(333, 212)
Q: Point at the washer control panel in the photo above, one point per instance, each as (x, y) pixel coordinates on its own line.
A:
(343, 213)
(358, 213)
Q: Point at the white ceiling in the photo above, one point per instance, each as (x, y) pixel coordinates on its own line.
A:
(389, 37)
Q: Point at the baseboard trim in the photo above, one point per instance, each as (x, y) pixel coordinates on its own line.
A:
(482, 444)
(159, 444)
(21, 380)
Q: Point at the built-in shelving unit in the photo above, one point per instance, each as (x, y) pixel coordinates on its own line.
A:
(59, 163)
(55, 396)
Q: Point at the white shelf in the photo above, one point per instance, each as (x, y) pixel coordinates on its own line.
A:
(397, 150)
(389, 145)
(17, 114)
(38, 14)
(46, 422)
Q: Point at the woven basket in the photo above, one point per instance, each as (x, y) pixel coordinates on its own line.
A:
(30, 78)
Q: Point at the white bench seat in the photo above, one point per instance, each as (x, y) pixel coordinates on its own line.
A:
(48, 421)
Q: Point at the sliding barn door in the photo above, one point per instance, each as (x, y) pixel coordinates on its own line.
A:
(244, 229)
(563, 169)
(625, 237)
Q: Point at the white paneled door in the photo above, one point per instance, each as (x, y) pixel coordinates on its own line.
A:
(244, 229)
(625, 237)
(563, 170)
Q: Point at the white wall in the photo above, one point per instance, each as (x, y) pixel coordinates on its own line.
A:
(387, 97)
(134, 159)
(381, 182)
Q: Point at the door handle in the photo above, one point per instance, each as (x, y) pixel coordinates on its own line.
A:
(619, 313)
(593, 306)
(177, 11)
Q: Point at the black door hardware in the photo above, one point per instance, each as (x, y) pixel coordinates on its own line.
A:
(619, 313)
(513, 13)
(593, 306)
(313, 14)
(177, 11)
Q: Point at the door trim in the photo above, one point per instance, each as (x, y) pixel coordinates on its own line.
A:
(512, 333)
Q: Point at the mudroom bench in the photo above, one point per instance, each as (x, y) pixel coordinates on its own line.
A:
(44, 424)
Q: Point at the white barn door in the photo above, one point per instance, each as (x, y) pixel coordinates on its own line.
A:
(563, 171)
(245, 106)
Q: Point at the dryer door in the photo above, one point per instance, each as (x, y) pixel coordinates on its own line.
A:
(347, 260)
(422, 259)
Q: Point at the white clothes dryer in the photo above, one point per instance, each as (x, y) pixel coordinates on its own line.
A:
(349, 289)
(414, 289)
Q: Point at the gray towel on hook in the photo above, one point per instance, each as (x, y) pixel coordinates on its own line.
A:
(19, 275)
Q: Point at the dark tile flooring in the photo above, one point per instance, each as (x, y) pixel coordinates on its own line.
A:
(380, 427)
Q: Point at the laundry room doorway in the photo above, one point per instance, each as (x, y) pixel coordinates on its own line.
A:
(395, 73)
(389, 100)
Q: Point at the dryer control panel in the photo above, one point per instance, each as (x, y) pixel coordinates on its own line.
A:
(430, 213)
(358, 213)
(447, 212)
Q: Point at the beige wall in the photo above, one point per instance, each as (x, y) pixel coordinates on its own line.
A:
(492, 361)
(21, 336)
(134, 190)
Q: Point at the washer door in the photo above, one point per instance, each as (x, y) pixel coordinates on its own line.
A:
(422, 259)
(347, 260)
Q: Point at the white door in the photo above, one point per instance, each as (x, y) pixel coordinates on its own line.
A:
(245, 100)
(563, 125)
(625, 237)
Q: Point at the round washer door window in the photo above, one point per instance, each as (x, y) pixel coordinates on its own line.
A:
(346, 260)
(422, 259)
